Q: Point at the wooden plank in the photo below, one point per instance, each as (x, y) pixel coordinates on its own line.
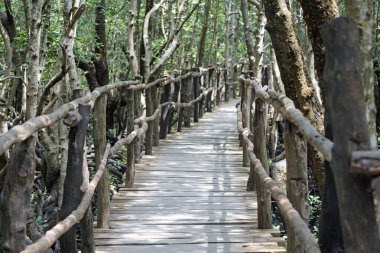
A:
(148, 240)
(122, 233)
(132, 195)
(175, 228)
(194, 248)
(190, 196)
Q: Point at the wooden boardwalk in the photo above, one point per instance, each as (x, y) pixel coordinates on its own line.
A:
(190, 197)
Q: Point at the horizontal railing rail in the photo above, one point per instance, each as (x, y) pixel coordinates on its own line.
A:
(214, 76)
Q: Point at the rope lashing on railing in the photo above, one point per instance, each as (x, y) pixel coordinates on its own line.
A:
(22, 132)
(291, 216)
(286, 107)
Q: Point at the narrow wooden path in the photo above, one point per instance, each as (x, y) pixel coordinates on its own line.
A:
(190, 197)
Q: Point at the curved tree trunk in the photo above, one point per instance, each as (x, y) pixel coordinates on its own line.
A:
(248, 38)
(202, 42)
(360, 11)
(293, 71)
(316, 13)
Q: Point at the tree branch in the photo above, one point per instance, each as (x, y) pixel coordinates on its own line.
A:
(9, 54)
(146, 38)
(256, 3)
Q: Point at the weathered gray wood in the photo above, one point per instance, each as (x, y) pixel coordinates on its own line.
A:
(130, 171)
(366, 163)
(156, 123)
(260, 149)
(149, 101)
(210, 83)
(100, 142)
(188, 195)
(74, 176)
(177, 87)
(167, 95)
(196, 92)
(181, 111)
(87, 222)
(347, 108)
(218, 88)
(156, 229)
(203, 88)
(137, 111)
(87, 237)
(194, 248)
(15, 195)
(297, 189)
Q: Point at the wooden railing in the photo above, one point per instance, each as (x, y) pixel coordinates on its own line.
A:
(354, 164)
(293, 204)
(200, 89)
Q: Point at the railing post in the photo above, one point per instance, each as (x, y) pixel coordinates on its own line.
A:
(176, 86)
(156, 95)
(226, 85)
(100, 142)
(182, 85)
(203, 88)
(197, 92)
(74, 175)
(186, 98)
(149, 105)
(210, 83)
(246, 101)
(218, 86)
(137, 111)
(165, 111)
(296, 180)
(234, 81)
(243, 104)
(87, 222)
(345, 101)
(130, 171)
(260, 149)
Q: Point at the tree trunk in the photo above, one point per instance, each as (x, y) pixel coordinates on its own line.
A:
(297, 83)
(130, 172)
(330, 237)
(215, 40)
(248, 34)
(227, 56)
(259, 37)
(149, 112)
(234, 28)
(100, 112)
(296, 180)
(316, 13)
(196, 92)
(202, 42)
(15, 196)
(72, 194)
(347, 105)
(360, 11)
(259, 138)
(100, 142)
